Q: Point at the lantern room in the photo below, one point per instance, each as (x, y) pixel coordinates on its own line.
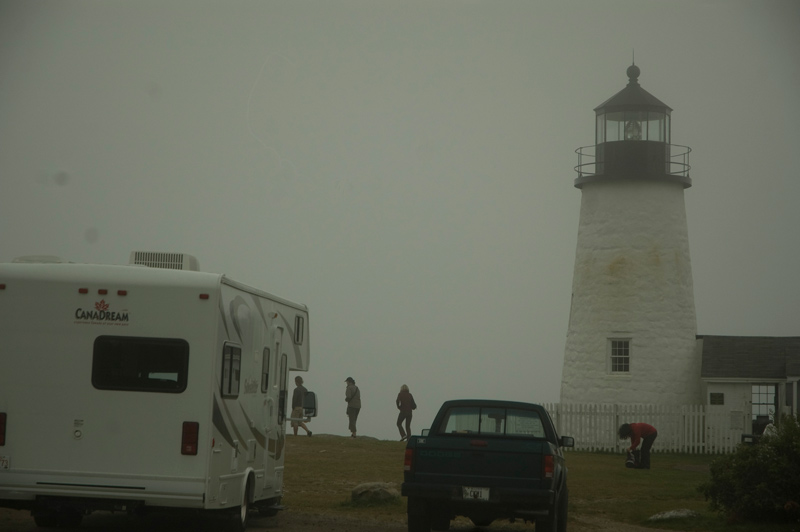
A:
(632, 139)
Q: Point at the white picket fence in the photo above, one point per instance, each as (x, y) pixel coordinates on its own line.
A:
(685, 429)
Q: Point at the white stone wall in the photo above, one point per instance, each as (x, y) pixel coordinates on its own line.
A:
(632, 280)
(738, 396)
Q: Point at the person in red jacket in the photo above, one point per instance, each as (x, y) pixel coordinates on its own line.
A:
(639, 432)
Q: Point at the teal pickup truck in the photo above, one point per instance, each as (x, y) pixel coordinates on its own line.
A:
(487, 460)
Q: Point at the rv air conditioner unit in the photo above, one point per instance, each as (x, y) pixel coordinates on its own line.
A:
(172, 261)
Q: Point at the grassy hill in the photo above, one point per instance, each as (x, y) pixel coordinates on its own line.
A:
(322, 470)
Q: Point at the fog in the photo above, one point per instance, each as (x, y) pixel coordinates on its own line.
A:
(403, 168)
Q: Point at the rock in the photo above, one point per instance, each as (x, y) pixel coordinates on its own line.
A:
(374, 491)
(683, 513)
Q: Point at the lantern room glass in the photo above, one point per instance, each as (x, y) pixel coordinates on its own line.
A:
(633, 125)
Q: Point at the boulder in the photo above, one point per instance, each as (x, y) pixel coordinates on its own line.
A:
(374, 491)
(683, 513)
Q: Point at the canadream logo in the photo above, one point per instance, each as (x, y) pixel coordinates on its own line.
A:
(100, 313)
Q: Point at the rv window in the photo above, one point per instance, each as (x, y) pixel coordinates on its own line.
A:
(265, 371)
(140, 364)
(282, 395)
(298, 330)
(231, 370)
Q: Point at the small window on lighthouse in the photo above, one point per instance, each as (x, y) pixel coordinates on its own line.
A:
(620, 356)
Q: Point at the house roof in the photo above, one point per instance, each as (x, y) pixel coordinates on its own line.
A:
(750, 357)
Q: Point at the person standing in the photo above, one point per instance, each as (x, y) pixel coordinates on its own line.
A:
(405, 404)
(639, 432)
(353, 397)
(298, 398)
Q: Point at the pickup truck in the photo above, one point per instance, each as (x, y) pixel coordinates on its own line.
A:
(487, 460)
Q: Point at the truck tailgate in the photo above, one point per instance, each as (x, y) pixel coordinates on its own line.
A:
(465, 461)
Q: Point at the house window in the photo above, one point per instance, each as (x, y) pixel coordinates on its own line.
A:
(716, 399)
(231, 370)
(620, 356)
(764, 401)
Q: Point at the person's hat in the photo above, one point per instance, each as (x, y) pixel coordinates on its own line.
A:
(349, 379)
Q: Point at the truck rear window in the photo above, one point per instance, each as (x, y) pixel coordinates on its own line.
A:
(140, 364)
(493, 421)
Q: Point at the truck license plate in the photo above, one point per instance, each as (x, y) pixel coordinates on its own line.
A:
(476, 494)
(4, 460)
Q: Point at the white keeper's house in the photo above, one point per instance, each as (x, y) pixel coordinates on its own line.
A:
(632, 337)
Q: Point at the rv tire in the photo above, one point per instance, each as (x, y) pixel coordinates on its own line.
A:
(240, 513)
(269, 508)
(45, 518)
(69, 518)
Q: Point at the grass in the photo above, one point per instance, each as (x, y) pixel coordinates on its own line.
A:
(321, 472)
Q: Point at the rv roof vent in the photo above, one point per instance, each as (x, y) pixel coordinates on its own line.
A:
(172, 261)
(47, 259)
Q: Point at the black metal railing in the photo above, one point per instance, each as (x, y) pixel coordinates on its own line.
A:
(677, 165)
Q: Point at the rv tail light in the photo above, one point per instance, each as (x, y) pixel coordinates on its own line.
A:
(549, 466)
(408, 463)
(191, 431)
(122, 292)
(204, 296)
(102, 291)
(83, 290)
(2, 428)
(2, 286)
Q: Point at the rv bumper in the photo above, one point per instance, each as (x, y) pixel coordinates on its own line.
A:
(19, 490)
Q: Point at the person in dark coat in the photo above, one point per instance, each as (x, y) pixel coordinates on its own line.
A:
(405, 404)
(353, 397)
(298, 397)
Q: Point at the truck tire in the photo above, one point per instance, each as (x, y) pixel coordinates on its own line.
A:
(440, 521)
(562, 510)
(419, 523)
(486, 521)
(553, 523)
(419, 518)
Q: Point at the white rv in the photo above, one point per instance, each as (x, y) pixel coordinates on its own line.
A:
(127, 387)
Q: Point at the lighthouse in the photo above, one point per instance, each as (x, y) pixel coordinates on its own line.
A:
(632, 324)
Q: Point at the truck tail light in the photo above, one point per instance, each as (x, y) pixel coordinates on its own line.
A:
(2, 428)
(190, 437)
(549, 466)
(409, 460)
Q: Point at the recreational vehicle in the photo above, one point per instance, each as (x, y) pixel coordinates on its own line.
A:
(151, 384)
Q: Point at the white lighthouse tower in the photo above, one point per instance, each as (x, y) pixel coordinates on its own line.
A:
(632, 326)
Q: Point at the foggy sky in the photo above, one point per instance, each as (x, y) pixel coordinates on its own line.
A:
(403, 168)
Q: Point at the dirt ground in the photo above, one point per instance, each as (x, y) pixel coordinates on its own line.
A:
(21, 521)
